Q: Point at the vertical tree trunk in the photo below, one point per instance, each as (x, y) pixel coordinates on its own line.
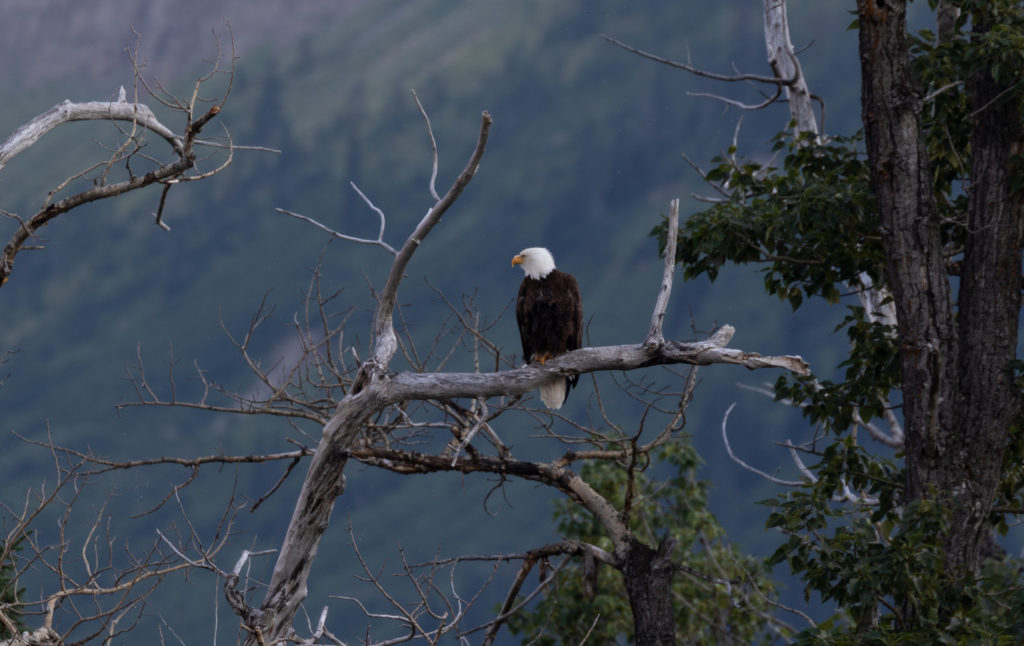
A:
(784, 62)
(958, 396)
(909, 221)
(648, 574)
(989, 298)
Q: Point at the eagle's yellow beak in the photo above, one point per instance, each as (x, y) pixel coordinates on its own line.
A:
(518, 260)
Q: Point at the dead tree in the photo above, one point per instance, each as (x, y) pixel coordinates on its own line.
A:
(369, 413)
(373, 391)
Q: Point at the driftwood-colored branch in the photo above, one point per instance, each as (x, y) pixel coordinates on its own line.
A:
(784, 62)
(752, 107)
(655, 337)
(66, 111)
(385, 343)
(378, 241)
(407, 386)
(141, 119)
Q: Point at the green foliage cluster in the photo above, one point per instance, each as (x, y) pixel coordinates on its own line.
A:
(10, 592)
(999, 49)
(886, 568)
(812, 224)
(784, 217)
(675, 505)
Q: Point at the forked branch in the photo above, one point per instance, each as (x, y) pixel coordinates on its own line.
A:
(385, 344)
(141, 119)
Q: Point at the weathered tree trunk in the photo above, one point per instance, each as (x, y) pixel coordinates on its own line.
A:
(310, 518)
(901, 179)
(958, 396)
(989, 301)
(784, 62)
(648, 574)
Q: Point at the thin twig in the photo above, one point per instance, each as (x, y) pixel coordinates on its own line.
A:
(728, 448)
(699, 72)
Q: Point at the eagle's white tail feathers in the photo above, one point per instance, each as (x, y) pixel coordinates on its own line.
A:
(553, 393)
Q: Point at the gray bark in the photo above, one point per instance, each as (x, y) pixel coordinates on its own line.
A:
(140, 116)
(784, 62)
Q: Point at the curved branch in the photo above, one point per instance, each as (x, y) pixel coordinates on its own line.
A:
(739, 104)
(385, 343)
(28, 228)
(728, 448)
(554, 474)
(379, 241)
(138, 114)
(66, 111)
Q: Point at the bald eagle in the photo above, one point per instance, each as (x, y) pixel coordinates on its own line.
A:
(549, 311)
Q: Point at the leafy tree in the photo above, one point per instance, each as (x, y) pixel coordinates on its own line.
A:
(921, 214)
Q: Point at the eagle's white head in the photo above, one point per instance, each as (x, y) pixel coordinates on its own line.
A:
(537, 262)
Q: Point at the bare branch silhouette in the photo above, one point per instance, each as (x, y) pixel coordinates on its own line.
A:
(141, 168)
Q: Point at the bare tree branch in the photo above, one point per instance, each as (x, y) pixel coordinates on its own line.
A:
(407, 386)
(655, 337)
(433, 147)
(755, 470)
(383, 329)
(141, 118)
(696, 71)
(135, 113)
(379, 241)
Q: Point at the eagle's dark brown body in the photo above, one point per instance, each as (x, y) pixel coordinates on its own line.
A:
(549, 311)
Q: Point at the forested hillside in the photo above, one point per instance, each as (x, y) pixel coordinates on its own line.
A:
(585, 153)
